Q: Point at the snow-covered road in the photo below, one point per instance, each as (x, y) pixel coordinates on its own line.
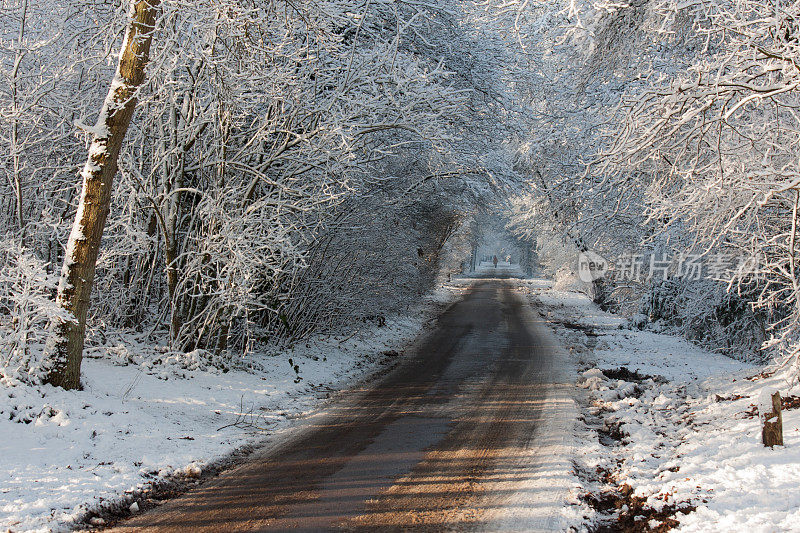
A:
(469, 431)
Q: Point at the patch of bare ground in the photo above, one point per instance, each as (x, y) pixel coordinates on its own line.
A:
(787, 403)
(631, 514)
(618, 509)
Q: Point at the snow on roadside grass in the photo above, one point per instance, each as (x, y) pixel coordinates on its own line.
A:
(66, 452)
(671, 438)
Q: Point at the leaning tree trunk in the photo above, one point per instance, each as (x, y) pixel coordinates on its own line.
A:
(65, 347)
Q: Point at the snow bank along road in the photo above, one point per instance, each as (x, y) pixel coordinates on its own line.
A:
(467, 433)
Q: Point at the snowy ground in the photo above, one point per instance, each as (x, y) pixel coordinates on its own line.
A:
(669, 436)
(66, 453)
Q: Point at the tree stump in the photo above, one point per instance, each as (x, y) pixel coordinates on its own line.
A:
(769, 407)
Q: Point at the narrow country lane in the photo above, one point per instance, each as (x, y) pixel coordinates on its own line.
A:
(439, 443)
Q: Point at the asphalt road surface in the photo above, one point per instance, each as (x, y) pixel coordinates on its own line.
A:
(431, 446)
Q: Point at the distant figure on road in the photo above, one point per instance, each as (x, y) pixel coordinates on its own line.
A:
(494, 260)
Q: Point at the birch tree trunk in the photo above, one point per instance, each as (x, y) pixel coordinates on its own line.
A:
(65, 347)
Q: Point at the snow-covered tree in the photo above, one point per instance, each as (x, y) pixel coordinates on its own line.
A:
(263, 132)
(65, 349)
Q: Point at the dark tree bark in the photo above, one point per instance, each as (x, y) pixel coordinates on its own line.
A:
(65, 347)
